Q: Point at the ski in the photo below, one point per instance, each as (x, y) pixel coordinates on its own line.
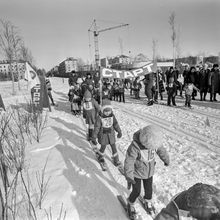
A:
(152, 213)
(120, 167)
(123, 202)
(102, 163)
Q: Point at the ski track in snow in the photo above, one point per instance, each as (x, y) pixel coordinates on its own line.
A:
(189, 164)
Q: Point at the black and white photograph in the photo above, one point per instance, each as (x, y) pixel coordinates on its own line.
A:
(109, 110)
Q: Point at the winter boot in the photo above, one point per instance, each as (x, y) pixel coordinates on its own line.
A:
(149, 207)
(150, 102)
(89, 134)
(116, 160)
(100, 157)
(131, 211)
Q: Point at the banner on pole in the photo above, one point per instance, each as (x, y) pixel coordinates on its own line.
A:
(124, 74)
(2, 106)
(31, 76)
(39, 95)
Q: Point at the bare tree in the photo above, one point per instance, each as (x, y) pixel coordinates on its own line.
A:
(173, 35)
(16, 42)
(9, 42)
(154, 48)
(178, 46)
(25, 54)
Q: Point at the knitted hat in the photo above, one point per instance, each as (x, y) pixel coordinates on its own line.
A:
(106, 103)
(151, 137)
(200, 200)
(87, 94)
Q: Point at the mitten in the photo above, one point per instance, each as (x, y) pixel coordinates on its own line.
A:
(130, 180)
(119, 135)
(93, 140)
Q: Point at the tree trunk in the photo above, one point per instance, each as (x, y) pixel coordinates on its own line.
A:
(13, 80)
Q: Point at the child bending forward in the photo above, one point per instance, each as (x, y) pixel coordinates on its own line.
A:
(140, 162)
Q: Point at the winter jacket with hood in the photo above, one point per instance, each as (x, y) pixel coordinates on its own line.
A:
(140, 161)
(214, 81)
(90, 108)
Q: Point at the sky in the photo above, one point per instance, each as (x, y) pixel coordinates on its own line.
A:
(56, 29)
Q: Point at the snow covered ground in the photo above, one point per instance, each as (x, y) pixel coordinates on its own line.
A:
(192, 138)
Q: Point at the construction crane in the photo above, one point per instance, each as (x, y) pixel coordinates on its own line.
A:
(96, 33)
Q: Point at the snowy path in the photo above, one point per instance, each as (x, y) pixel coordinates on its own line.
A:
(90, 193)
(87, 192)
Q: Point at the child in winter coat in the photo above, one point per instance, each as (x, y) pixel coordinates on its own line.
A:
(201, 202)
(105, 127)
(171, 91)
(137, 87)
(139, 164)
(49, 89)
(189, 88)
(75, 98)
(90, 112)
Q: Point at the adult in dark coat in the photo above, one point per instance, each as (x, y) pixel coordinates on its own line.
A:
(203, 82)
(214, 82)
(171, 74)
(148, 83)
(185, 73)
(161, 81)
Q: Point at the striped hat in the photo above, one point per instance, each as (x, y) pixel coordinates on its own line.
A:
(106, 104)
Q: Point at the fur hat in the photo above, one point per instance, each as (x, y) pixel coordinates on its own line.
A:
(87, 94)
(106, 103)
(200, 200)
(151, 137)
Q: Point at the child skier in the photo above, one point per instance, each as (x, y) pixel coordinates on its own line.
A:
(105, 127)
(90, 112)
(171, 92)
(139, 164)
(189, 88)
(75, 98)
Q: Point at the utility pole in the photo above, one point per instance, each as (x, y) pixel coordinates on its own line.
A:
(121, 45)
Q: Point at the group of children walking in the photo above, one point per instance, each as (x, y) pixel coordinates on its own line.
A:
(201, 201)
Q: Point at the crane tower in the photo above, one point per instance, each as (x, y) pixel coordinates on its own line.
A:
(96, 33)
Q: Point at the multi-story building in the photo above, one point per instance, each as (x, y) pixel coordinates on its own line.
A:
(15, 68)
(104, 62)
(67, 66)
(118, 62)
